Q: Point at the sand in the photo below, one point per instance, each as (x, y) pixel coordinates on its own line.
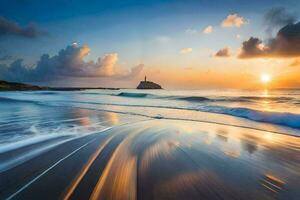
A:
(162, 159)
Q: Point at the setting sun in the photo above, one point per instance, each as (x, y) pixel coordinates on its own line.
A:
(265, 78)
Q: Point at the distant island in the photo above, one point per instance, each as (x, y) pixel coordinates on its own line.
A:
(14, 86)
(148, 85)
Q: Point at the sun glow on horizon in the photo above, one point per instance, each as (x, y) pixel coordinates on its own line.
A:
(265, 78)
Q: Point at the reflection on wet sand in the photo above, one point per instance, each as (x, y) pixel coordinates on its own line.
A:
(118, 181)
(272, 183)
(169, 159)
(113, 118)
(84, 170)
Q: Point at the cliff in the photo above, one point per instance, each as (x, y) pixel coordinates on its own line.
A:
(148, 85)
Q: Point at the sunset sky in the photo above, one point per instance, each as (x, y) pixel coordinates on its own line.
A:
(186, 44)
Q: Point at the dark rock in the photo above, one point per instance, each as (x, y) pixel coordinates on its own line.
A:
(148, 85)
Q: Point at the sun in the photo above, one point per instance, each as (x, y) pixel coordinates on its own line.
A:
(265, 78)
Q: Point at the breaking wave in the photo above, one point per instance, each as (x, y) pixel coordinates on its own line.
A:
(280, 118)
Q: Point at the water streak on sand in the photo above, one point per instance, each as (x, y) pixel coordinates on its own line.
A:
(84, 170)
(166, 159)
(118, 180)
(46, 171)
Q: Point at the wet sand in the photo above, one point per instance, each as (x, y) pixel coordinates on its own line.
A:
(162, 159)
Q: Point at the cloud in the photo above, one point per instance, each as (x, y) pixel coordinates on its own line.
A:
(163, 39)
(278, 17)
(11, 28)
(252, 48)
(106, 64)
(233, 20)
(134, 72)
(14, 72)
(285, 44)
(295, 63)
(208, 30)
(5, 58)
(225, 52)
(191, 31)
(186, 50)
(69, 62)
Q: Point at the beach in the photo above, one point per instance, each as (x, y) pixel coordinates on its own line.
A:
(150, 100)
(162, 159)
(55, 148)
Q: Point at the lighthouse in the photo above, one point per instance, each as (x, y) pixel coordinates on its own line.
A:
(148, 85)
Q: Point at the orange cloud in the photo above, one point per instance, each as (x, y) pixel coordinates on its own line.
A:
(233, 20)
(186, 50)
(68, 62)
(285, 44)
(208, 30)
(107, 64)
(295, 63)
(225, 52)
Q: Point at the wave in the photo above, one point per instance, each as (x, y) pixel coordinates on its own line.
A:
(134, 95)
(45, 92)
(10, 100)
(14, 152)
(147, 95)
(161, 116)
(232, 99)
(265, 97)
(279, 118)
(291, 120)
(209, 99)
(194, 98)
(262, 98)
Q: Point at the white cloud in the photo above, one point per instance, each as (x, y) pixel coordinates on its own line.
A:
(162, 39)
(107, 63)
(68, 62)
(133, 73)
(191, 31)
(186, 50)
(208, 30)
(233, 20)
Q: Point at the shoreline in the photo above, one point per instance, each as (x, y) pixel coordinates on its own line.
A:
(177, 113)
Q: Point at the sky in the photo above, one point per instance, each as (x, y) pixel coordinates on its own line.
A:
(190, 44)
